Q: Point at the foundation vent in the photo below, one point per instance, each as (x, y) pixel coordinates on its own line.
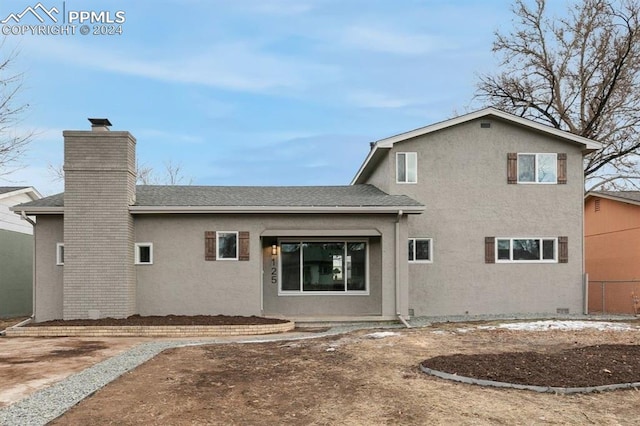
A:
(562, 311)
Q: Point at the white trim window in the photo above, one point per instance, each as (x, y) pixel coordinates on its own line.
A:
(538, 168)
(406, 167)
(227, 245)
(323, 267)
(526, 250)
(420, 250)
(144, 254)
(60, 254)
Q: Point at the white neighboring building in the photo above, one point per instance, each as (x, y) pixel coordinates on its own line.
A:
(16, 253)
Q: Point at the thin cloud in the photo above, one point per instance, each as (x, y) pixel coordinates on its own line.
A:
(168, 136)
(235, 66)
(387, 41)
(278, 7)
(370, 99)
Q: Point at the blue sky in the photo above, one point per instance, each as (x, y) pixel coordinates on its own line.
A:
(253, 92)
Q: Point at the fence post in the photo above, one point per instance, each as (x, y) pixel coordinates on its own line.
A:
(602, 284)
(585, 287)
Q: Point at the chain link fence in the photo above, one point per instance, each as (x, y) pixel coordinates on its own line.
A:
(614, 297)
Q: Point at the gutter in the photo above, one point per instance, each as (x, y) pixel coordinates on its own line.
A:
(397, 280)
(275, 209)
(24, 216)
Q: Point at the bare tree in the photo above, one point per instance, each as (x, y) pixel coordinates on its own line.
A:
(579, 73)
(13, 140)
(145, 174)
(172, 175)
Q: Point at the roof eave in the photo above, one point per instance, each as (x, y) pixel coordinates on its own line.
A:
(30, 211)
(31, 191)
(588, 145)
(275, 209)
(375, 152)
(611, 197)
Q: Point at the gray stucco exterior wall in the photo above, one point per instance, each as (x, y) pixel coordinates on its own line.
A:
(16, 271)
(49, 276)
(462, 180)
(180, 281)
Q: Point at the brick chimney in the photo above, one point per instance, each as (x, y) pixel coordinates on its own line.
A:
(100, 185)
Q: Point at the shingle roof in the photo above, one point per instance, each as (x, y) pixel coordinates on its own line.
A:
(56, 200)
(250, 196)
(627, 195)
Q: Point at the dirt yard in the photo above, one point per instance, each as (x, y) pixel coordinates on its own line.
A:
(353, 379)
(29, 364)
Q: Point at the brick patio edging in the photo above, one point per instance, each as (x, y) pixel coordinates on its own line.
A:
(150, 331)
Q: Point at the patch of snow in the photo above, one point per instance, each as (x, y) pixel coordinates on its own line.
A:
(567, 325)
(381, 334)
(439, 332)
(556, 325)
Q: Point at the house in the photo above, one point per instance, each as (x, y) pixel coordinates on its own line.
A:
(480, 214)
(612, 244)
(16, 253)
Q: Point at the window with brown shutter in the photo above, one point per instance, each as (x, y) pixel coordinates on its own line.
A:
(243, 244)
(512, 167)
(562, 168)
(210, 245)
(563, 249)
(490, 250)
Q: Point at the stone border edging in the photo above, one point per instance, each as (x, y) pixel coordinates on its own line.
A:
(541, 389)
(150, 331)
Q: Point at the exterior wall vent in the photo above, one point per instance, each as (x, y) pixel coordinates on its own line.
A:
(485, 125)
(562, 311)
(596, 205)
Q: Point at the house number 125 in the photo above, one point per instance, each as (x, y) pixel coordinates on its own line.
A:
(274, 272)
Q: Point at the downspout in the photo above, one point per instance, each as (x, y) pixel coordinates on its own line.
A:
(398, 313)
(24, 216)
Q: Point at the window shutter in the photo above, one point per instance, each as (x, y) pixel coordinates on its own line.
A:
(563, 249)
(210, 245)
(489, 249)
(512, 167)
(243, 245)
(562, 168)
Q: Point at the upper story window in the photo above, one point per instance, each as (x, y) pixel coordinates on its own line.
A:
(144, 254)
(537, 168)
(407, 167)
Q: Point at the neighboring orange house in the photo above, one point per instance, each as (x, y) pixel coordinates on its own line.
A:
(612, 250)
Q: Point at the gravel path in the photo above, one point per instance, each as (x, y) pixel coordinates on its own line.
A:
(47, 404)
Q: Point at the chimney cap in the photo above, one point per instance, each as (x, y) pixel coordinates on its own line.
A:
(99, 122)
